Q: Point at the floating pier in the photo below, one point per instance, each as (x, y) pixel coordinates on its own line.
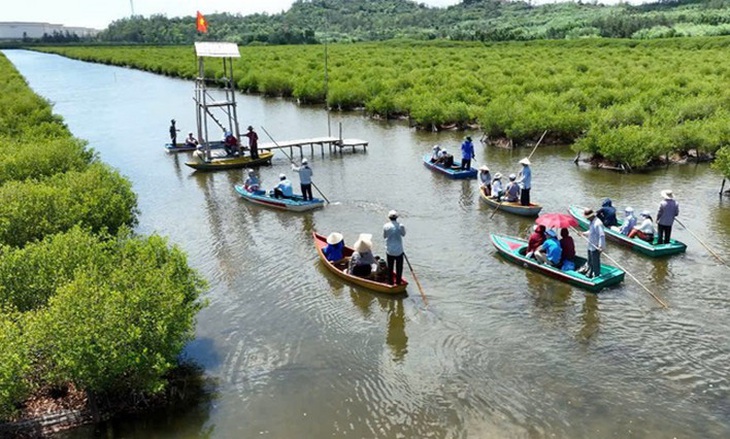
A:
(332, 144)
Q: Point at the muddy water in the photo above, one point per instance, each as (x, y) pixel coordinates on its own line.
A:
(499, 352)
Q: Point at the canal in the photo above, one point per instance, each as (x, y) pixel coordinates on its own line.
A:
(499, 352)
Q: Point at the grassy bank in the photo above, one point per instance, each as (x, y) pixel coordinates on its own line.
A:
(628, 101)
(84, 302)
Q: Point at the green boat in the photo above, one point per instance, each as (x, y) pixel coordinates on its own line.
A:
(513, 249)
(639, 245)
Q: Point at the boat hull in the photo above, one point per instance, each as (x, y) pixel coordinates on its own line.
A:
(221, 163)
(513, 250)
(320, 242)
(454, 172)
(514, 208)
(296, 204)
(638, 245)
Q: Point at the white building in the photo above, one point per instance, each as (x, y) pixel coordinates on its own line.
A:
(16, 30)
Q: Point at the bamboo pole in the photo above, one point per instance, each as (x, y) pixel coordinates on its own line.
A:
(702, 242)
(413, 273)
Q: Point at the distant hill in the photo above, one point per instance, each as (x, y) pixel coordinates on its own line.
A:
(315, 21)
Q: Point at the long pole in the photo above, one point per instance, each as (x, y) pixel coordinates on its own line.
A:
(528, 158)
(413, 273)
(292, 161)
(701, 242)
(722, 187)
(661, 302)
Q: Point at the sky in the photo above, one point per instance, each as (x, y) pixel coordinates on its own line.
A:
(99, 13)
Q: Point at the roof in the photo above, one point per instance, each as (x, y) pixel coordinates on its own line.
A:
(217, 50)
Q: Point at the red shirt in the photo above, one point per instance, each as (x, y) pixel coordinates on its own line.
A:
(253, 138)
(568, 247)
(535, 241)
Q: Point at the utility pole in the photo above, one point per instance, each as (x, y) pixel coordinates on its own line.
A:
(131, 5)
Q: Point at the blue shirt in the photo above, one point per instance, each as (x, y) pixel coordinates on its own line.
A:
(467, 150)
(393, 232)
(285, 187)
(334, 252)
(553, 251)
(305, 174)
(628, 224)
(525, 177)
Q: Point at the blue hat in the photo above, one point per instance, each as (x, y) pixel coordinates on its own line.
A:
(552, 233)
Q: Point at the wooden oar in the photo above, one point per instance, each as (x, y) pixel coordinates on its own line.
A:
(413, 273)
(661, 302)
(528, 158)
(292, 161)
(701, 242)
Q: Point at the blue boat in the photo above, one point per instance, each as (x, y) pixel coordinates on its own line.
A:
(295, 204)
(454, 172)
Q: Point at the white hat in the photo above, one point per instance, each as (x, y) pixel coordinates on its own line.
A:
(667, 194)
(364, 243)
(629, 209)
(512, 176)
(305, 161)
(497, 176)
(334, 238)
(646, 213)
(436, 147)
(249, 171)
(282, 176)
(484, 168)
(392, 214)
(525, 161)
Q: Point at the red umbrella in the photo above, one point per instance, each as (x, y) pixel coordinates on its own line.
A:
(557, 220)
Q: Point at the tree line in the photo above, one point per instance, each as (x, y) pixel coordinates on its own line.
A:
(317, 21)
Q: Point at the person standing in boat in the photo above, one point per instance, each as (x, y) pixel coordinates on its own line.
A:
(362, 259)
(596, 243)
(393, 232)
(305, 178)
(253, 142)
(173, 133)
(525, 181)
(251, 183)
(485, 180)
(668, 211)
(283, 189)
(467, 153)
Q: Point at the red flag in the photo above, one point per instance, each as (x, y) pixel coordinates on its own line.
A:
(201, 23)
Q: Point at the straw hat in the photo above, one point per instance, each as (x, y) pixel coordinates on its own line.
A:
(250, 128)
(364, 243)
(667, 194)
(525, 162)
(436, 147)
(392, 214)
(484, 168)
(334, 238)
(629, 209)
(589, 213)
(497, 176)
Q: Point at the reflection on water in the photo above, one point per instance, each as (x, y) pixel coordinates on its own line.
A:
(499, 352)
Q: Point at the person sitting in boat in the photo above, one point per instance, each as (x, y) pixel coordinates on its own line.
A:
(512, 191)
(645, 230)
(199, 154)
(381, 270)
(362, 259)
(251, 183)
(628, 224)
(567, 247)
(607, 214)
(550, 252)
(191, 141)
(485, 180)
(230, 143)
(283, 189)
(446, 160)
(535, 241)
(497, 189)
(436, 154)
(335, 249)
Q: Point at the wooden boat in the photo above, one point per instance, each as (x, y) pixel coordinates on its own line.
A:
(340, 269)
(454, 172)
(515, 208)
(513, 249)
(230, 162)
(296, 204)
(636, 244)
(182, 147)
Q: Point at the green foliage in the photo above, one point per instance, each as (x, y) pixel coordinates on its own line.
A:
(722, 161)
(14, 362)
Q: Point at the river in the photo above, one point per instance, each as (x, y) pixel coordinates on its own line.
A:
(498, 353)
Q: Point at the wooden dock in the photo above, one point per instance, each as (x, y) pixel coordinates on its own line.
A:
(333, 144)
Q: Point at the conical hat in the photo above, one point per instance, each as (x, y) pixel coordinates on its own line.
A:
(334, 238)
